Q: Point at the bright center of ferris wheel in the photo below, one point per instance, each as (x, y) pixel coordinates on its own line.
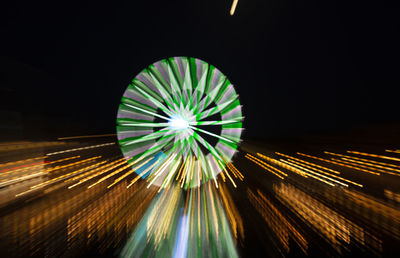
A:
(178, 123)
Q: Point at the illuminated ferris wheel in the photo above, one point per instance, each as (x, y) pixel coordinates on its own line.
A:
(180, 120)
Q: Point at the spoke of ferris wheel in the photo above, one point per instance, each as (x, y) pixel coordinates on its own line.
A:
(158, 145)
(148, 137)
(212, 134)
(146, 124)
(208, 146)
(194, 146)
(165, 95)
(147, 112)
(156, 102)
(209, 98)
(198, 91)
(214, 122)
(176, 91)
(202, 85)
(187, 84)
(214, 110)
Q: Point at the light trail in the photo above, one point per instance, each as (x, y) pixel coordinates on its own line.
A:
(161, 169)
(54, 180)
(94, 170)
(303, 161)
(20, 179)
(281, 164)
(106, 168)
(230, 178)
(264, 167)
(338, 163)
(82, 148)
(315, 173)
(20, 161)
(394, 151)
(366, 160)
(355, 163)
(341, 178)
(283, 229)
(233, 7)
(110, 175)
(143, 173)
(86, 136)
(37, 165)
(71, 164)
(267, 165)
(130, 172)
(233, 168)
(371, 165)
(374, 155)
(308, 174)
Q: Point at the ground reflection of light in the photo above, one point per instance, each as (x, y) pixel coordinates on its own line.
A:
(181, 243)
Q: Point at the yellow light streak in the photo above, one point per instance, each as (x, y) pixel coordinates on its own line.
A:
(276, 221)
(241, 177)
(67, 175)
(264, 167)
(199, 173)
(341, 178)
(20, 161)
(371, 165)
(94, 170)
(339, 163)
(110, 175)
(233, 171)
(141, 174)
(180, 170)
(230, 178)
(308, 174)
(39, 165)
(394, 151)
(82, 148)
(21, 178)
(163, 162)
(161, 169)
(315, 173)
(72, 164)
(366, 160)
(354, 163)
(233, 8)
(303, 161)
(268, 165)
(106, 167)
(184, 171)
(130, 172)
(213, 211)
(86, 136)
(170, 174)
(374, 155)
(281, 164)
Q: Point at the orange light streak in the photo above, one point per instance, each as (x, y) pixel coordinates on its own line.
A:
(264, 167)
(308, 163)
(341, 178)
(374, 155)
(338, 163)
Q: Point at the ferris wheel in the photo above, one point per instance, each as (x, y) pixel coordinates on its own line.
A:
(179, 120)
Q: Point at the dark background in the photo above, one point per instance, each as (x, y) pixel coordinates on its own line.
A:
(299, 66)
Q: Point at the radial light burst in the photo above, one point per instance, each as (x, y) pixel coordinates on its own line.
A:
(180, 120)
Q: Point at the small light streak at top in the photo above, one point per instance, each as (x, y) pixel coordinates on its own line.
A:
(233, 8)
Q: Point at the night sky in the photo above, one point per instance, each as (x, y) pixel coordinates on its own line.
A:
(299, 66)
